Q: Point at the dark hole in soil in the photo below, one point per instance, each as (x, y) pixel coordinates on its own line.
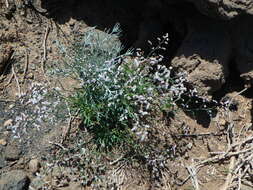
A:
(233, 83)
(138, 19)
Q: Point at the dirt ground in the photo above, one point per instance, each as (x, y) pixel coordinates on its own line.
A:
(189, 151)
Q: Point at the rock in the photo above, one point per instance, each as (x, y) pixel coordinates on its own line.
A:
(12, 153)
(248, 78)
(3, 142)
(189, 146)
(8, 122)
(34, 165)
(211, 40)
(227, 10)
(204, 54)
(72, 22)
(14, 180)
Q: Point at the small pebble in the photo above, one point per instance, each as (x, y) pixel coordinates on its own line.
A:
(222, 122)
(34, 165)
(30, 76)
(8, 122)
(11, 106)
(3, 142)
(189, 146)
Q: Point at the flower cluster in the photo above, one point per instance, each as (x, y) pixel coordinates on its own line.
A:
(120, 92)
(32, 113)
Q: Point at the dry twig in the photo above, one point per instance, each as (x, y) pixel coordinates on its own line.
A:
(44, 45)
(183, 182)
(57, 144)
(117, 160)
(240, 153)
(198, 135)
(193, 173)
(230, 140)
(16, 78)
(67, 130)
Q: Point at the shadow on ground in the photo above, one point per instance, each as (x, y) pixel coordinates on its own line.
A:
(102, 14)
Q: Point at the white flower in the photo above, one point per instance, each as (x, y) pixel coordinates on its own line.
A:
(143, 113)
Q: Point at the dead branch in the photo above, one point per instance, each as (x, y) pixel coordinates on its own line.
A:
(240, 153)
(247, 140)
(193, 173)
(183, 182)
(197, 135)
(44, 45)
(67, 130)
(57, 144)
(117, 160)
(223, 156)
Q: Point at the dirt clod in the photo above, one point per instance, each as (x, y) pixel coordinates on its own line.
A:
(8, 122)
(34, 165)
(12, 153)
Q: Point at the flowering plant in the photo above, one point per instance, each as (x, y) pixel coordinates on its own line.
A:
(119, 92)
